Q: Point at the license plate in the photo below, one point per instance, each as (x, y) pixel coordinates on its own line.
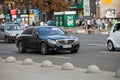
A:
(66, 46)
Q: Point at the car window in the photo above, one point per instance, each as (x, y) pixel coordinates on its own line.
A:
(117, 27)
(50, 31)
(28, 31)
(12, 27)
(34, 31)
(14, 23)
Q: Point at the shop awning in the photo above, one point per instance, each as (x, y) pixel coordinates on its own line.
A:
(77, 6)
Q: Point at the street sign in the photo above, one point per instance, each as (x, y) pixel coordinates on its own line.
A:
(86, 7)
(110, 13)
(106, 1)
(36, 12)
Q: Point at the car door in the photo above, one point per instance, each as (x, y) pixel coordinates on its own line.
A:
(35, 39)
(118, 37)
(26, 37)
(116, 34)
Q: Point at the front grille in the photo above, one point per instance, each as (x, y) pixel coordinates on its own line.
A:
(64, 42)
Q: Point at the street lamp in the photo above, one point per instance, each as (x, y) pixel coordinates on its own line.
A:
(98, 8)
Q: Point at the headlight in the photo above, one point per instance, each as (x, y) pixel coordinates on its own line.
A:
(52, 41)
(76, 39)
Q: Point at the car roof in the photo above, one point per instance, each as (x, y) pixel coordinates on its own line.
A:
(118, 22)
(11, 24)
(41, 26)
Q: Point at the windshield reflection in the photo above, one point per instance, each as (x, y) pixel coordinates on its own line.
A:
(50, 31)
(13, 27)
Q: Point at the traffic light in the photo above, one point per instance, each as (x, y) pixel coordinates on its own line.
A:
(106, 1)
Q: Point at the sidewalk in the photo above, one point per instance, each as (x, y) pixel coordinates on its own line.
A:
(18, 71)
(90, 31)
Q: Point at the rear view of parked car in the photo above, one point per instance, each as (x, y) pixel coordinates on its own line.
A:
(113, 41)
(9, 32)
(47, 39)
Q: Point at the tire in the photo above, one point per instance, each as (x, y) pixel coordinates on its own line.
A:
(44, 49)
(7, 40)
(21, 48)
(110, 46)
(74, 51)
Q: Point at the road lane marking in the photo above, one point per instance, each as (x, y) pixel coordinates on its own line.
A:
(107, 52)
(61, 57)
(6, 52)
(96, 44)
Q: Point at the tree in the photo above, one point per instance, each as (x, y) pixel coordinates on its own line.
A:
(51, 6)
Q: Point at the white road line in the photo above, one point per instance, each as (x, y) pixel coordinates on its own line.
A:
(96, 44)
(6, 52)
(61, 57)
(107, 52)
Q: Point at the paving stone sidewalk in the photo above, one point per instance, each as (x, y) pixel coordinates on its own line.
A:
(18, 71)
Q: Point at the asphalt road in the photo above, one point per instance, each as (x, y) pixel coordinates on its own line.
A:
(93, 51)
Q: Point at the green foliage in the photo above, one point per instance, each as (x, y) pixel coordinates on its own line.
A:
(51, 5)
(0, 12)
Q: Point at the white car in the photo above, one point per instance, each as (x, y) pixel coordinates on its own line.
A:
(113, 41)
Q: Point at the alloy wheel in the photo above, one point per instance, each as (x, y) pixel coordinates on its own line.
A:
(44, 49)
(110, 46)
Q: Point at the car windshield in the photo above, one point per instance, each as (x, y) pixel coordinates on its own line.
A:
(13, 27)
(50, 31)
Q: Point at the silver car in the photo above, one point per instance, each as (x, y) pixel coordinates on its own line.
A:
(9, 32)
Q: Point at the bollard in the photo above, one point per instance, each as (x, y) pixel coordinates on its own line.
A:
(46, 63)
(93, 69)
(28, 61)
(67, 66)
(117, 74)
(10, 59)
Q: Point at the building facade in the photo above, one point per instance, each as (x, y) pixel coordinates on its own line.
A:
(78, 6)
(98, 8)
(110, 10)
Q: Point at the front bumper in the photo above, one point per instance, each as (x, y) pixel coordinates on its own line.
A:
(11, 38)
(62, 48)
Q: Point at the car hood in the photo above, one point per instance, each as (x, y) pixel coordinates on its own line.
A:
(58, 37)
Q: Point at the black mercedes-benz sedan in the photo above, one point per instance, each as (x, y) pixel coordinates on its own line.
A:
(46, 39)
